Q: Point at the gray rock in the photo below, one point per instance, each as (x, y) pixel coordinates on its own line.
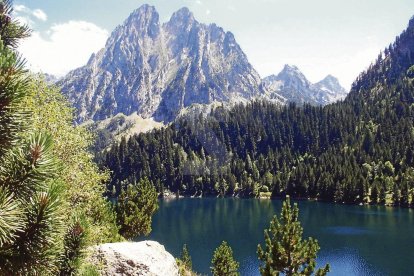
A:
(293, 86)
(134, 258)
(158, 69)
(332, 91)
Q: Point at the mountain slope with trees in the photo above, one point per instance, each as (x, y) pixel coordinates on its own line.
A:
(356, 151)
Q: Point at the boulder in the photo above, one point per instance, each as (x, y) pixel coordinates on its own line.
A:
(134, 258)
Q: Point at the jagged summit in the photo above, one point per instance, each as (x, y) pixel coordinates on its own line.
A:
(291, 75)
(158, 69)
(290, 68)
(183, 14)
(411, 22)
(292, 84)
(143, 17)
(332, 83)
(330, 78)
(145, 9)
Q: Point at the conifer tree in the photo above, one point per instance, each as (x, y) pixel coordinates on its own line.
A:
(135, 207)
(285, 251)
(186, 258)
(30, 202)
(223, 263)
(73, 242)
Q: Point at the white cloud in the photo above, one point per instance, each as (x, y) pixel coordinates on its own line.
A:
(63, 47)
(208, 12)
(20, 8)
(28, 16)
(39, 14)
(25, 20)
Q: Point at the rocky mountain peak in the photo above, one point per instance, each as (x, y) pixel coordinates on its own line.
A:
(145, 20)
(330, 78)
(156, 70)
(291, 70)
(182, 17)
(292, 85)
(144, 10)
(411, 23)
(292, 76)
(332, 83)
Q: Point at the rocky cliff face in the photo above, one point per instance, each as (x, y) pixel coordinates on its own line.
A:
(292, 85)
(158, 69)
(134, 258)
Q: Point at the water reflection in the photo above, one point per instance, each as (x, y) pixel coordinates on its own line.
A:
(355, 240)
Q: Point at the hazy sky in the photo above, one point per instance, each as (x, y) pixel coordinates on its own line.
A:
(338, 37)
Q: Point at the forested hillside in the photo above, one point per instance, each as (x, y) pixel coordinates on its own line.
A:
(359, 150)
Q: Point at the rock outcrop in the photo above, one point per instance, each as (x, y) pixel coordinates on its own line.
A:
(134, 258)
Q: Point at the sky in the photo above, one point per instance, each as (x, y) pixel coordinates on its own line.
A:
(321, 37)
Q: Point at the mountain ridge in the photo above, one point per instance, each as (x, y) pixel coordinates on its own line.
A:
(293, 85)
(357, 151)
(160, 69)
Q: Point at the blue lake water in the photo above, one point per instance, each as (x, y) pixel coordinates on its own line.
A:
(354, 240)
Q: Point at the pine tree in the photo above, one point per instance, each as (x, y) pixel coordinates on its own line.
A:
(135, 207)
(186, 258)
(405, 194)
(223, 263)
(73, 243)
(30, 196)
(396, 195)
(374, 193)
(285, 251)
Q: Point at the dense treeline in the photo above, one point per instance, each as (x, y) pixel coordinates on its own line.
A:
(359, 150)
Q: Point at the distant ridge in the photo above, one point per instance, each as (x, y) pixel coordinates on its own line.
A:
(292, 84)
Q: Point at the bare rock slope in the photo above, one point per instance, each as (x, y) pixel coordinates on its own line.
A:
(156, 69)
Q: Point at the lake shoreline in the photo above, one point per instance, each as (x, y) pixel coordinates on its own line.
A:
(174, 196)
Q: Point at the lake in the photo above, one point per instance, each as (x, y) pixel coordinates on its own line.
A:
(354, 240)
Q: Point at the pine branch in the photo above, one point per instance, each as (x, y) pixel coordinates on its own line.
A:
(26, 169)
(13, 86)
(74, 241)
(34, 248)
(11, 31)
(11, 219)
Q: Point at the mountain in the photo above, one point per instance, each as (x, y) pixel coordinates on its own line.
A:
(394, 63)
(360, 150)
(50, 79)
(158, 69)
(292, 85)
(332, 89)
